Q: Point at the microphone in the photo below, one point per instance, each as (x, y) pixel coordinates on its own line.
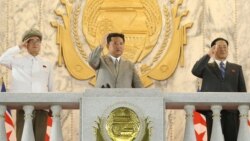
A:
(107, 86)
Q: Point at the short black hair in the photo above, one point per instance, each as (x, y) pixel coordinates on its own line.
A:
(115, 35)
(218, 39)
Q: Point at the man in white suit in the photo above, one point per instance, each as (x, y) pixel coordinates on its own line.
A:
(112, 70)
(30, 74)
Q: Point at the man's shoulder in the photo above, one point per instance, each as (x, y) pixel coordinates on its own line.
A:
(233, 65)
(127, 61)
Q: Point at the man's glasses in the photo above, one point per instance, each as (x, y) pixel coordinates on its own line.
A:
(34, 42)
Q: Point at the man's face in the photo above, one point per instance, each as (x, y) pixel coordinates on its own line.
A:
(221, 50)
(116, 46)
(34, 46)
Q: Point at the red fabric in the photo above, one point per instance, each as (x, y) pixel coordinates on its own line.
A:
(201, 122)
(49, 125)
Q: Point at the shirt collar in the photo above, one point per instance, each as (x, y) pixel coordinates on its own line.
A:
(113, 58)
(33, 57)
(218, 62)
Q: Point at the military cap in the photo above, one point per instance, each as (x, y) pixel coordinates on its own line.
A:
(32, 32)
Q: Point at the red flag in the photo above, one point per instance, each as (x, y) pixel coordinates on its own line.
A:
(9, 124)
(49, 125)
(200, 127)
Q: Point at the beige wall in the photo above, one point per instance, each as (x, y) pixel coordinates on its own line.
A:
(212, 18)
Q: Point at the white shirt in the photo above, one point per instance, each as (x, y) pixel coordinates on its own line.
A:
(29, 74)
(114, 59)
(218, 62)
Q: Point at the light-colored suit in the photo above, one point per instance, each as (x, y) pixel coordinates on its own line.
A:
(106, 73)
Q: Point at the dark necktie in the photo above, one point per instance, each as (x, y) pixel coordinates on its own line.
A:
(222, 69)
(116, 65)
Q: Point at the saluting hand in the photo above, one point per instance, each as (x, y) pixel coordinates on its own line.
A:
(212, 51)
(104, 41)
(24, 44)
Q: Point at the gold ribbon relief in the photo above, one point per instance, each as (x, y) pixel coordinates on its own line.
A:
(139, 20)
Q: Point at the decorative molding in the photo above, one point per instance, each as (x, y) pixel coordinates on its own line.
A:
(78, 43)
(166, 36)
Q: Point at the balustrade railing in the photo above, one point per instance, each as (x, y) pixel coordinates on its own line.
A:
(186, 101)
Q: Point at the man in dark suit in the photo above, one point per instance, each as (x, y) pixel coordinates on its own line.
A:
(113, 71)
(221, 76)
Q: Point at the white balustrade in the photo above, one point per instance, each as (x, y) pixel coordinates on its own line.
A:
(187, 101)
(189, 128)
(216, 134)
(244, 133)
(28, 133)
(2, 123)
(56, 131)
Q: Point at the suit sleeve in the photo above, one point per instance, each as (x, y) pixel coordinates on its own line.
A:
(200, 65)
(8, 56)
(136, 80)
(94, 58)
(241, 84)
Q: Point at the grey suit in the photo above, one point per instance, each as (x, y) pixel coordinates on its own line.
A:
(126, 77)
(212, 81)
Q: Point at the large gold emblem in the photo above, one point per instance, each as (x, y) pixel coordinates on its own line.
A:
(141, 22)
(122, 124)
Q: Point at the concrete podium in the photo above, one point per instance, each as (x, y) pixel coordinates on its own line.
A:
(123, 114)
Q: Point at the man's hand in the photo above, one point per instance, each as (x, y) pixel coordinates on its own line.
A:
(104, 41)
(24, 44)
(212, 51)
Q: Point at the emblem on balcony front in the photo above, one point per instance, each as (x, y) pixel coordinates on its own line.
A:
(122, 124)
(154, 35)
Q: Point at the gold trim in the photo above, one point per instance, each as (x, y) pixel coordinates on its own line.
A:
(75, 33)
(166, 37)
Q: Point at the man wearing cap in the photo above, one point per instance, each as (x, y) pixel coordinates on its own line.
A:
(30, 74)
(220, 76)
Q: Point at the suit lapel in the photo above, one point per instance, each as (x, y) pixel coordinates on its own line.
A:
(110, 65)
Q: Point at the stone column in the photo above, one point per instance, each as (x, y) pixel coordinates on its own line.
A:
(56, 131)
(244, 133)
(28, 133)
(217, 134)
(189, 128)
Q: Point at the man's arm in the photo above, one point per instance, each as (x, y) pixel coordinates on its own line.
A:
(241, 84)
(200, 65)
(94, 58)
(136, 80)
(7, 57)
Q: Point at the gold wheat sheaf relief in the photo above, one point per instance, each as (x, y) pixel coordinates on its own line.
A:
(140, 42)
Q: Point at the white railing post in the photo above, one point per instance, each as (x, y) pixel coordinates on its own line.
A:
(244, 133)
(189, 128)
(56, 131)
(28, 133)
(216, 134)
(2, 123)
